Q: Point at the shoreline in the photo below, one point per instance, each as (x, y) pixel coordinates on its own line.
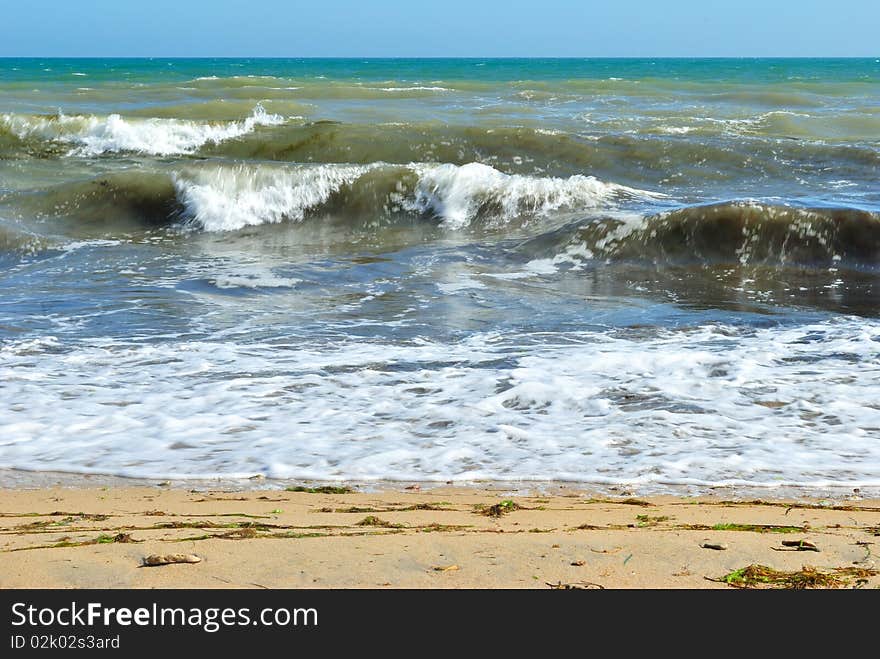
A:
(23, 479)
(437, 537)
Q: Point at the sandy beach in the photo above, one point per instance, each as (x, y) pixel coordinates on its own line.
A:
(439, 538)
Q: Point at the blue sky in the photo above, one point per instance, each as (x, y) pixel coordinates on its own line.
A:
(437, 28)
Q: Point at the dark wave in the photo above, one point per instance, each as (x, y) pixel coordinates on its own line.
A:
(714, 152)
(13, 147)
(228, 198)
(619, 155)
(15, 239)
(127, 198)
(742, 232)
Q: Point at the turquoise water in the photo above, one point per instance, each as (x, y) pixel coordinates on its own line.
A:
(645, 272)
(745, 70)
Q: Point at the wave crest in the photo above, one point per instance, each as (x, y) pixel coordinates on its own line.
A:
(229, 198)
(92, 135)
(461, 194)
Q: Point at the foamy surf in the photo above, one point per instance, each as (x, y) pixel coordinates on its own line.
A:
(460, 194)
(226, 199)
(92, 135)
(707, 406)
(223, 199)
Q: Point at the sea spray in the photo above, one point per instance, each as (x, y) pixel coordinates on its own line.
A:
(92, 135)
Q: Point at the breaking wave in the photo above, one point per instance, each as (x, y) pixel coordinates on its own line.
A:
(601, 225)
(231, 197)
(461, 194)
(92, 135)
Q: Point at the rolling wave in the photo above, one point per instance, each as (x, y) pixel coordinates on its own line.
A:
(738, 232)
(229, 197)
(462, 194)
(219, 198)
(92, 135)
(683, 154)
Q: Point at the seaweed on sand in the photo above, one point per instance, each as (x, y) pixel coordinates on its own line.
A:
(761, 576)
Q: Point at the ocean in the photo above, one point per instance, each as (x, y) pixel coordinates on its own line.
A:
(651, 274)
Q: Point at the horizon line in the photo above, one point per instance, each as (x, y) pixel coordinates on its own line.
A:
(444, 57)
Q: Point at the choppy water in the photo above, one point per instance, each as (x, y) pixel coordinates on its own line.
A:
(654, 273)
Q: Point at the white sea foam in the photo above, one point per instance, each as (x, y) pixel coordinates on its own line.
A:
(254, 280)
(676, 130)
(707, 406)
(458, 193)
(230, 198)
(74, 245)
(458, 284)
(414, 88)
(92, 135)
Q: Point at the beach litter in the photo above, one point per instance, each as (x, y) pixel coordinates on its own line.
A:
(155, 560)
(575, 585)
(796, 545)
(714, 545)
